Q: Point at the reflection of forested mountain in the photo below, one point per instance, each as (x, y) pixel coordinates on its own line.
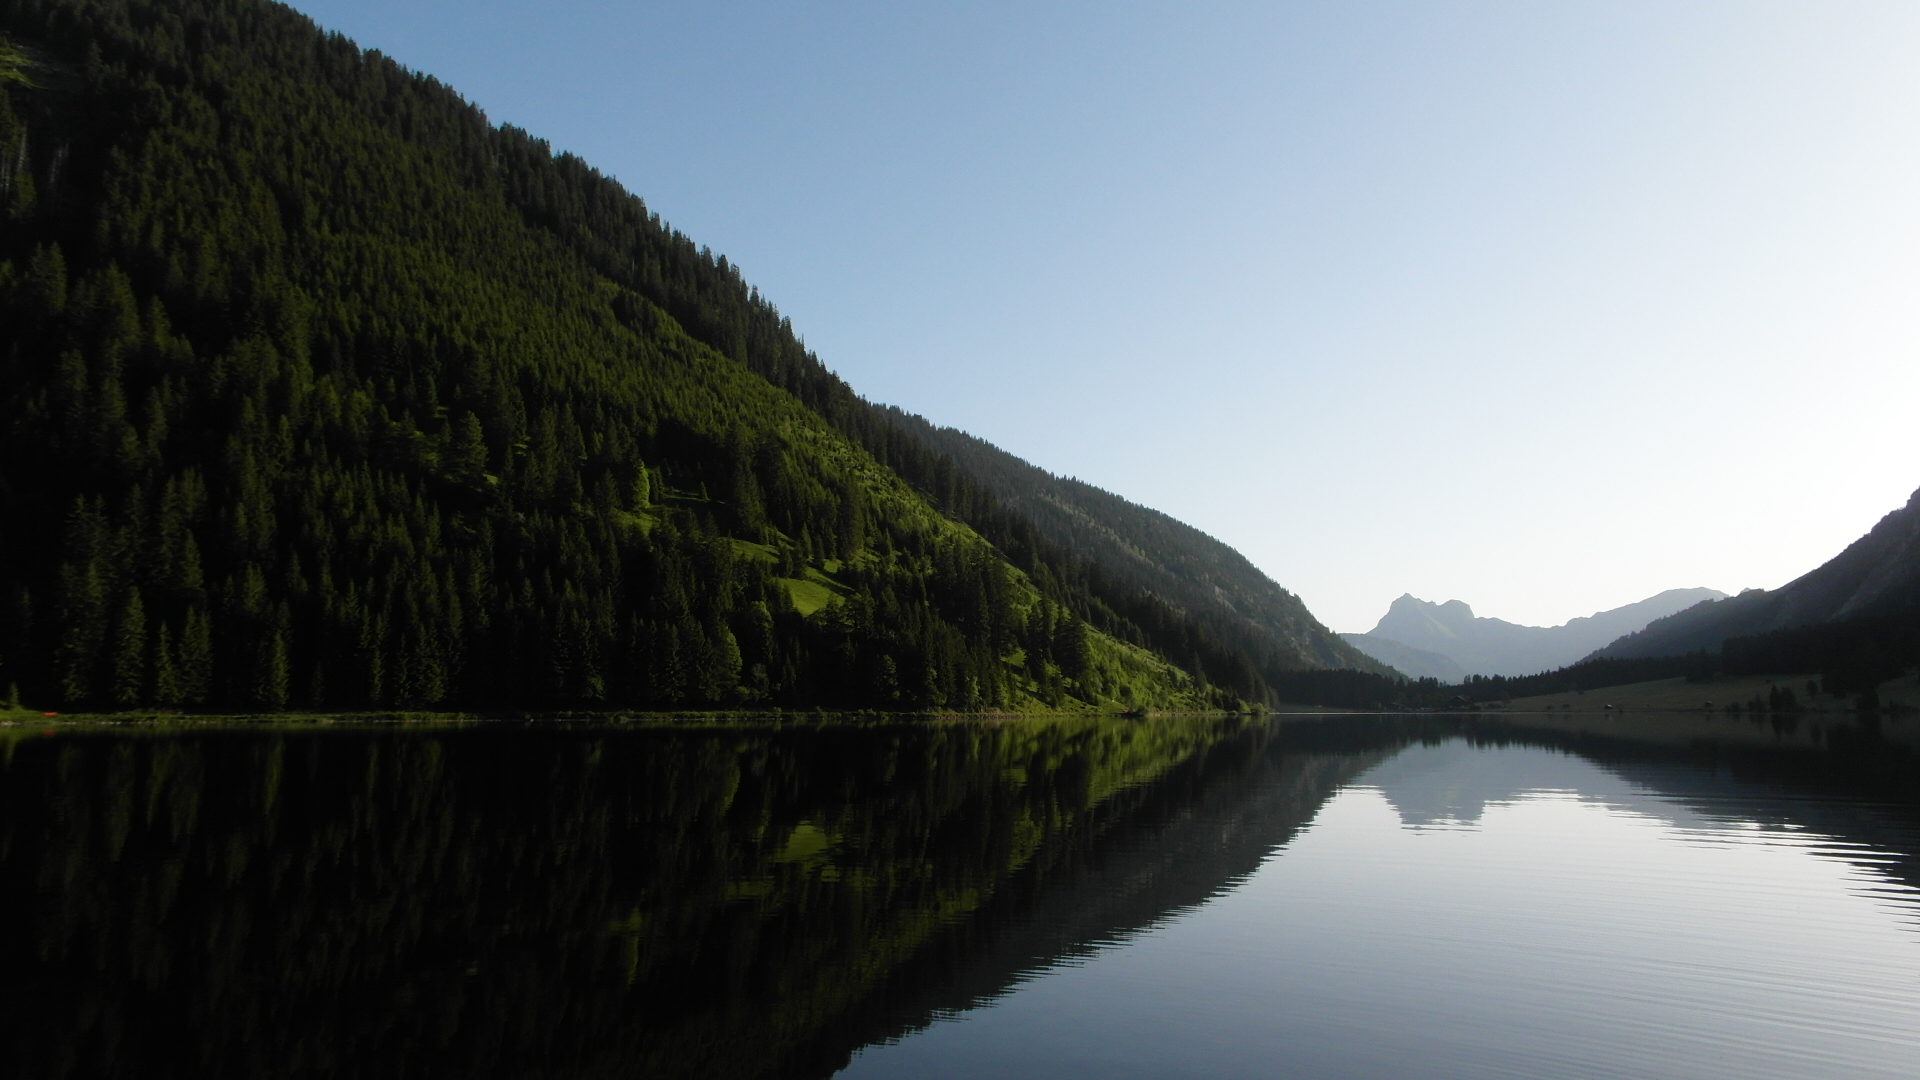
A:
(1861, 790)
(544, 901)
(1212, 822)
(1192, 838)
(1843, 782)
(712, 901)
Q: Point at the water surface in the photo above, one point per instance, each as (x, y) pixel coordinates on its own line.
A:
(1327, 897)
(1481, 911)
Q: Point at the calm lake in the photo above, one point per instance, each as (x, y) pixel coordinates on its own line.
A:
(1411, 896)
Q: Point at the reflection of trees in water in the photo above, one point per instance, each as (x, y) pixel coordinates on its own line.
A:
(522, 901)
(730, 901)
(1195, 836)
(1858, 787)
(1848, 781)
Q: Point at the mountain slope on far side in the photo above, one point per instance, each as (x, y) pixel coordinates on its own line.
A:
(1876, 577)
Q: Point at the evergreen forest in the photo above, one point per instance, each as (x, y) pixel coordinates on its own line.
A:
(323, 392)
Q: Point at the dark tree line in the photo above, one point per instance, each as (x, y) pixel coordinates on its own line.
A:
(1850, 658)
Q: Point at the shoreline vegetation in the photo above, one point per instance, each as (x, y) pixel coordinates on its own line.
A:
(29, 718)
(1726, 693)
(1752, 696)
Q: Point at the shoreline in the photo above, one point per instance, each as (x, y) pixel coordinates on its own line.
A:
(26, 721)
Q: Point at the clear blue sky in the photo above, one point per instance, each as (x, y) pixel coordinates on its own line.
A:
(1545, 307)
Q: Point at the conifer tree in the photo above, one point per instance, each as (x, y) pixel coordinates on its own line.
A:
(130, 651)
(167, 690)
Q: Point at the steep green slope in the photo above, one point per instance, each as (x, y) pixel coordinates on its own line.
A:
(1149, 551)
(309, 402)
(614, 232)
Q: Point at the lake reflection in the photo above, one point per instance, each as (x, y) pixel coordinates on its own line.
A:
(1489, 911)
(1342, 897)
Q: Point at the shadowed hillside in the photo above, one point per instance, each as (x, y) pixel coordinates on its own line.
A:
(1876, 577)
(1144, 548)
(1416, 663)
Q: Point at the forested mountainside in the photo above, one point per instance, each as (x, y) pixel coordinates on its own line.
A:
(321, 391)
(1151, 552)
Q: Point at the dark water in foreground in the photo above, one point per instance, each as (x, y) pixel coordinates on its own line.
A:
(1329, 897)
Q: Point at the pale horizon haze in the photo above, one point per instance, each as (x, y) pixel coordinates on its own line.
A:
(1546, 308)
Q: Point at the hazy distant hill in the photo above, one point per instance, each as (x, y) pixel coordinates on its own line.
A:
(1143, 548)
(1877, 575)
(1409, 661)
(1447, 641)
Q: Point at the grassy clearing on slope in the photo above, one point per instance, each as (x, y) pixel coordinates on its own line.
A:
(1120, 677)
(810, 595)
(747, 549)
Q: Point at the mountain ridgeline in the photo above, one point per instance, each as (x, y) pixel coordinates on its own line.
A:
(1151, 552)
(1855, 619)
(1877, 578)
(323, 392)
(1447, 641)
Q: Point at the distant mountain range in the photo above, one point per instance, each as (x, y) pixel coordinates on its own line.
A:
(1448, 642)
(1877, 576)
